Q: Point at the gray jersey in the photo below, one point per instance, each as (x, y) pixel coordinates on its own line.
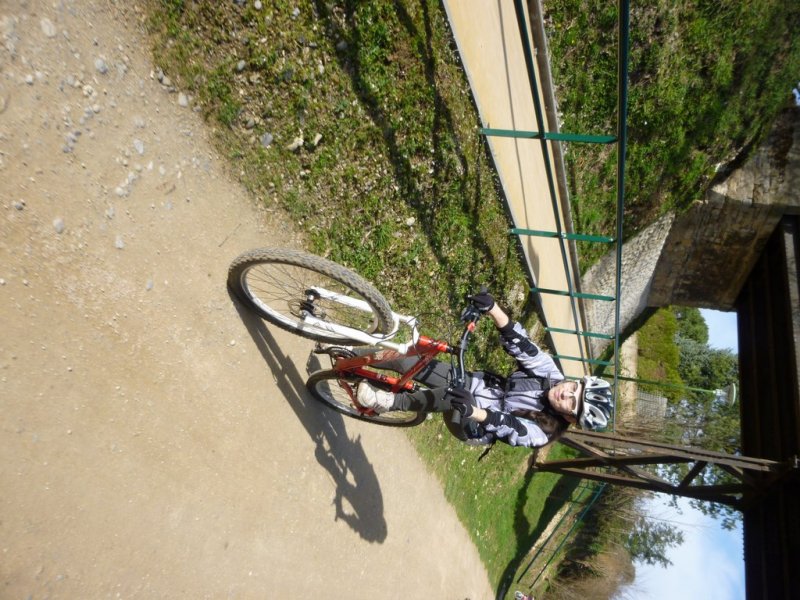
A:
(522, 392)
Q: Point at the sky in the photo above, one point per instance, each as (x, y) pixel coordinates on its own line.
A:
(709, 563)
(722, 331)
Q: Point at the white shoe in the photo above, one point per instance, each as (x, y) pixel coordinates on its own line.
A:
(371, 397)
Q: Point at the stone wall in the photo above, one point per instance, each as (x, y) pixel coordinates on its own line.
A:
(639, 258)
(712, 248)
(703, 256)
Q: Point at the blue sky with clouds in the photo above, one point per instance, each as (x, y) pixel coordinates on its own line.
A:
(709, 563)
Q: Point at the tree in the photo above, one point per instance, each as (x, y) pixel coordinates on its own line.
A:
(705, 367)
(691, 324)
(706, 419)
(711, 421)
(650, 540)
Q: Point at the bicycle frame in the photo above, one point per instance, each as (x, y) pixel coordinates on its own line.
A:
(361, 336)
(424, 347)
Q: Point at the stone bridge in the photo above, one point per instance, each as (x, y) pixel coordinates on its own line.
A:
(703, 256)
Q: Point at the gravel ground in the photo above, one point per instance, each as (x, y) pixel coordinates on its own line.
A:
(156, 442)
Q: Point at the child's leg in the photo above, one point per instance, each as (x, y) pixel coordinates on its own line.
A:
(425, 400)
(435, 376)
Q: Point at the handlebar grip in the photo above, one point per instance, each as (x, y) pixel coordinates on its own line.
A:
(481, 301)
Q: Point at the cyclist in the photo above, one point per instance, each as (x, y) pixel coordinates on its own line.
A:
(531, 407)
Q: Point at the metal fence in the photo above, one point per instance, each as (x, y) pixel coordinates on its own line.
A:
(545, 551)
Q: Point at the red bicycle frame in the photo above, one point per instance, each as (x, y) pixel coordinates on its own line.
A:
(425, 348)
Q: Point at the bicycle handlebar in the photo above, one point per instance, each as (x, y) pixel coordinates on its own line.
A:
(470, 317)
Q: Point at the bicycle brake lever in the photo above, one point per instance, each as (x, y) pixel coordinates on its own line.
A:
(470, 313)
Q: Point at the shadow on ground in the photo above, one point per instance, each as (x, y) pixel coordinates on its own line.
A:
(358, 500)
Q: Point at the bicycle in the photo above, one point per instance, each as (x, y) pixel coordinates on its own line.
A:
(323, 301)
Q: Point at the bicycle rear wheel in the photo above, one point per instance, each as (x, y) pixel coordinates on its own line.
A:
(337, 391)
(286, 286)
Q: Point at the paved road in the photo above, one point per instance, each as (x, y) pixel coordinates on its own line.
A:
(157, 443)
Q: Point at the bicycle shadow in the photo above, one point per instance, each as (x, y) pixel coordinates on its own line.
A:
(358, 500)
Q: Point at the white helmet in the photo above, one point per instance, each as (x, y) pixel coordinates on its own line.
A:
(597, 407)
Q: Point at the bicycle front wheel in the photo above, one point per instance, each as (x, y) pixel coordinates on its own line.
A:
(286, 287)
(338, 390)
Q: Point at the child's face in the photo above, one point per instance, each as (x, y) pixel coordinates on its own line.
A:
(565, 398)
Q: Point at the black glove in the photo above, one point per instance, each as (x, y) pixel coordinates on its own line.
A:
(461, 401)
(483, 301)
(499, 419)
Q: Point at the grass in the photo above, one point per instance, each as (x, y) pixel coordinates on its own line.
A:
(504, 504)
(392, 179)
(659, 357)
(706, 81)
(399, 186)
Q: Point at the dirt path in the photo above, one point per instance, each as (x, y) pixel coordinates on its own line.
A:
(156, 443)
